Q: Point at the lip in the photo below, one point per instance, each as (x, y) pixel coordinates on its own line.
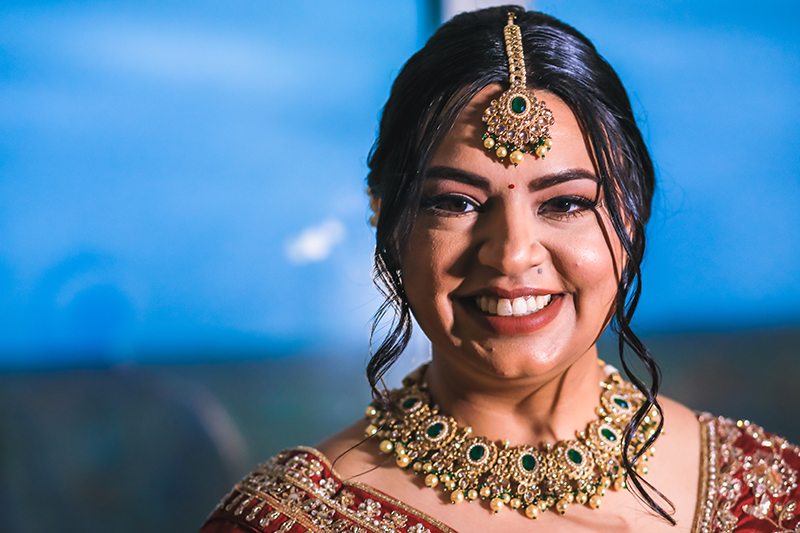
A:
(513, 325)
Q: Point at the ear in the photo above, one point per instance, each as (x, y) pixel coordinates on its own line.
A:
(375, 206)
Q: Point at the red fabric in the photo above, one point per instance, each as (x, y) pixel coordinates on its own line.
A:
(750, 485)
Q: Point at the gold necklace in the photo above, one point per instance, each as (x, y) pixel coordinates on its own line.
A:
(523, 477)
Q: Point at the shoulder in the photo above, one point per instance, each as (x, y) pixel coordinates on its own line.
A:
(749, 478)
(299, 490)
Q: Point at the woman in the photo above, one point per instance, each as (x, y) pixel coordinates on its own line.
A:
(511, 188)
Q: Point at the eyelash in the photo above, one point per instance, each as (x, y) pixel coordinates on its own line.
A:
(435, 204)
(583, 204)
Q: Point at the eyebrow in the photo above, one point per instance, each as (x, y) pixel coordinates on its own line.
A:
(538, 184)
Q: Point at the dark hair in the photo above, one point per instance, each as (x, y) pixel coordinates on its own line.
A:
(465, 55)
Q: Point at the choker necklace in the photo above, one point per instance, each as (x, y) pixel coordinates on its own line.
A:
(523, 477)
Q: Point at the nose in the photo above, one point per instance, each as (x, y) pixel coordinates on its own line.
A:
(512, 241)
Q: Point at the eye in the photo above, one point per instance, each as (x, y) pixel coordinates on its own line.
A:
(567, 205)
(449, 204)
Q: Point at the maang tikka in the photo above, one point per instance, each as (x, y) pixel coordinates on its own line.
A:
(517, 119)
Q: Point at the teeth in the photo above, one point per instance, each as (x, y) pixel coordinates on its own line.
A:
(524, 305)
(519, 306)
(504, 307)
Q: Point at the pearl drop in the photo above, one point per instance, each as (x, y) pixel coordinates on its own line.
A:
(431, 480)
(488, 142)
(501, 152)
(532, 511)
(386, 446)
(595, 501)
(496, 504)
(516, 157)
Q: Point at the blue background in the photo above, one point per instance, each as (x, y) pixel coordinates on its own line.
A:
(158, 160)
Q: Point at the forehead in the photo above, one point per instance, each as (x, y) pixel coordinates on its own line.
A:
(463, 147)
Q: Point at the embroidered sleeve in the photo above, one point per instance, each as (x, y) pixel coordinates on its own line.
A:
(297, 491)
(751, 480)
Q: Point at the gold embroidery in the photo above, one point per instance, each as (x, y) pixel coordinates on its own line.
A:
(764, 473)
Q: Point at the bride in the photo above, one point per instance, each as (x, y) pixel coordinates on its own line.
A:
(511, 188)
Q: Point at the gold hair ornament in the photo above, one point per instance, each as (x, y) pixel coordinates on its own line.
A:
(517, 119)
(523, 477)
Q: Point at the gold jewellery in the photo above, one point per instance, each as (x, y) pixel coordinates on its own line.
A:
(517, 118)
(523, 477)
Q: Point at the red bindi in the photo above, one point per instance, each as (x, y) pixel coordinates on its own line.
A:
(511, 186)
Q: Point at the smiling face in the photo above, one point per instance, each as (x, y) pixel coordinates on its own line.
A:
(512, 270)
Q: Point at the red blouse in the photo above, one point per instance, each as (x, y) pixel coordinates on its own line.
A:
(748, 483)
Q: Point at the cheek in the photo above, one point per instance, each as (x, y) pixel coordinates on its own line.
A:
(431, 272)
(593, 266)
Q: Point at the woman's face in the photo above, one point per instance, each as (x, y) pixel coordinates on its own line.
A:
(512, 270)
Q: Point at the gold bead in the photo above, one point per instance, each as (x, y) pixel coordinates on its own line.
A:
(532, 511)
(403, 461)
(451, 485)
(641, 469)
(541, 150)
(516, 157)
(488, 142)
(581, 498)
(515, 503)
(371, 411)
(601, 491)
(605, 481)
(457, 496)
(570, 497)
(562, 506)
(595, 501)
(427, 467)
(431, 480)
(496, 504)
(472, 494)
(501, 152)
(486, 492)
(371, 430)
(386, 446)
(400, 449)
(506, 498)
(619, 483)
(548, 142)
(417, 466)
(445, 478)
(543, 505)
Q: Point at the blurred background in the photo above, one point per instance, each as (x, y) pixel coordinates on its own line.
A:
(185, 255)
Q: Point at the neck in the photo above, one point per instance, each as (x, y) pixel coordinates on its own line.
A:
(524, 410)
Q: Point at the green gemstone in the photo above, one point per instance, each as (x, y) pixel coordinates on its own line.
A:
(435, 430)
(410, 402)
(608, 434)
(518, 105)
(622, 403)
(477, 452)
(575, 456)
(528, 462)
